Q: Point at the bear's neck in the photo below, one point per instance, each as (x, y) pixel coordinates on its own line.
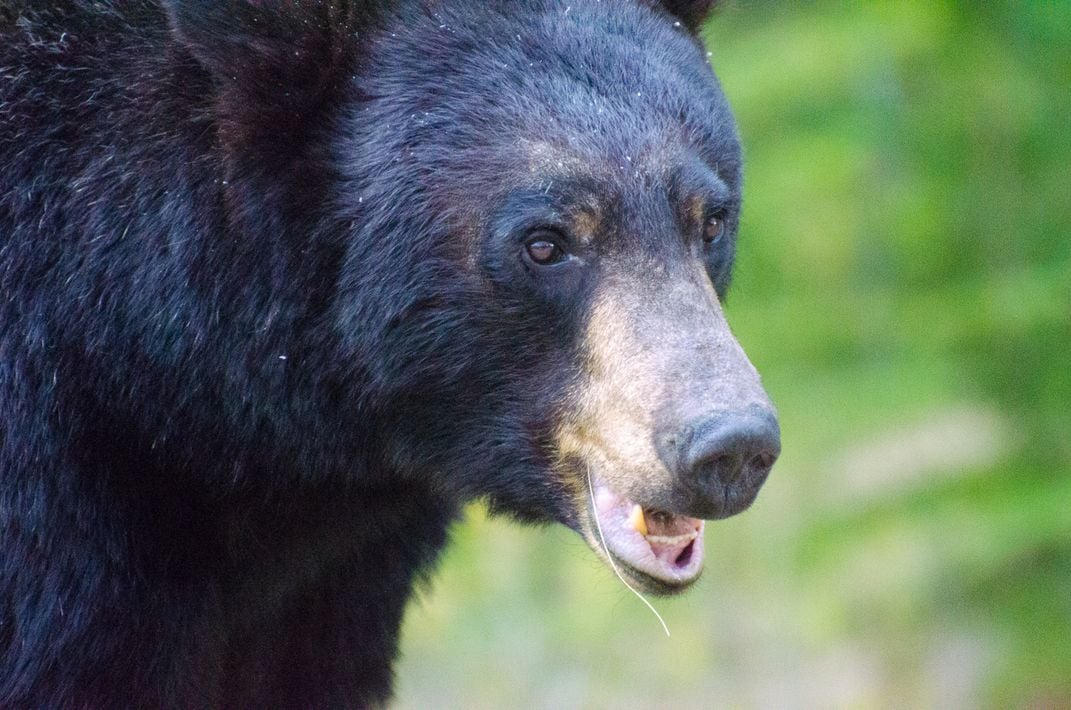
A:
(243, 601)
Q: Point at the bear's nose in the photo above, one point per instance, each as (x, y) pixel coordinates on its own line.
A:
(723, 459)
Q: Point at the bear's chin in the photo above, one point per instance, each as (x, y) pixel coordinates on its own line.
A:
(657, 551)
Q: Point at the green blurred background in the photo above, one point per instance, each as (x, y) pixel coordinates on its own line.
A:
(904, 286)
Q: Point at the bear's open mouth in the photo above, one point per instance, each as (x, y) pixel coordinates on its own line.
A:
(661, 551)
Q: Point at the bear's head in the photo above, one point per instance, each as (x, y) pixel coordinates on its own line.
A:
(535, 206)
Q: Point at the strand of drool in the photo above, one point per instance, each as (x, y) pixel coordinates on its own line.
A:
(610, 557)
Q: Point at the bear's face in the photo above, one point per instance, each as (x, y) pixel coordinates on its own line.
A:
(564, 213)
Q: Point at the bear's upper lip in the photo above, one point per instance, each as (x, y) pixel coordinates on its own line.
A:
(661, 551)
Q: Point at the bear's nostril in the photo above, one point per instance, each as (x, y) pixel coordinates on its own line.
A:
(728, 451)
(720, 468)
(762, 461)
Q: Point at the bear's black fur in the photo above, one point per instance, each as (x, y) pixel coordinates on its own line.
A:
(263, 329)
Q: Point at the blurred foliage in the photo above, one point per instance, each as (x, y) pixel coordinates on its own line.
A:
(904, 286)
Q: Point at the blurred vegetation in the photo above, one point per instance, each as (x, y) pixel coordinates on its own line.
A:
(904, 286)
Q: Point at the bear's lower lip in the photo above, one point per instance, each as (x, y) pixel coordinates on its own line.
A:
(661, 551)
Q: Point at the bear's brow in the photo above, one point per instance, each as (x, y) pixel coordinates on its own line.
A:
(546, 158)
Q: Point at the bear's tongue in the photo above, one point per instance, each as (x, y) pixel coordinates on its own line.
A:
(663, 545)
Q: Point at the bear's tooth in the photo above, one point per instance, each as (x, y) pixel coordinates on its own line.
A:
(672, 540)
(636, 520)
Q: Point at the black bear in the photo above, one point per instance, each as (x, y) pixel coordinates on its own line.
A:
(287, 282)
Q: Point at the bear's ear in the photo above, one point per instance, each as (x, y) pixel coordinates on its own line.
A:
(274, 63)
(690, 12)
(288, 43)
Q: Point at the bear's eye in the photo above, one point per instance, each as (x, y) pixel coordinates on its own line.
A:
(542, 248)
(713, 229)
